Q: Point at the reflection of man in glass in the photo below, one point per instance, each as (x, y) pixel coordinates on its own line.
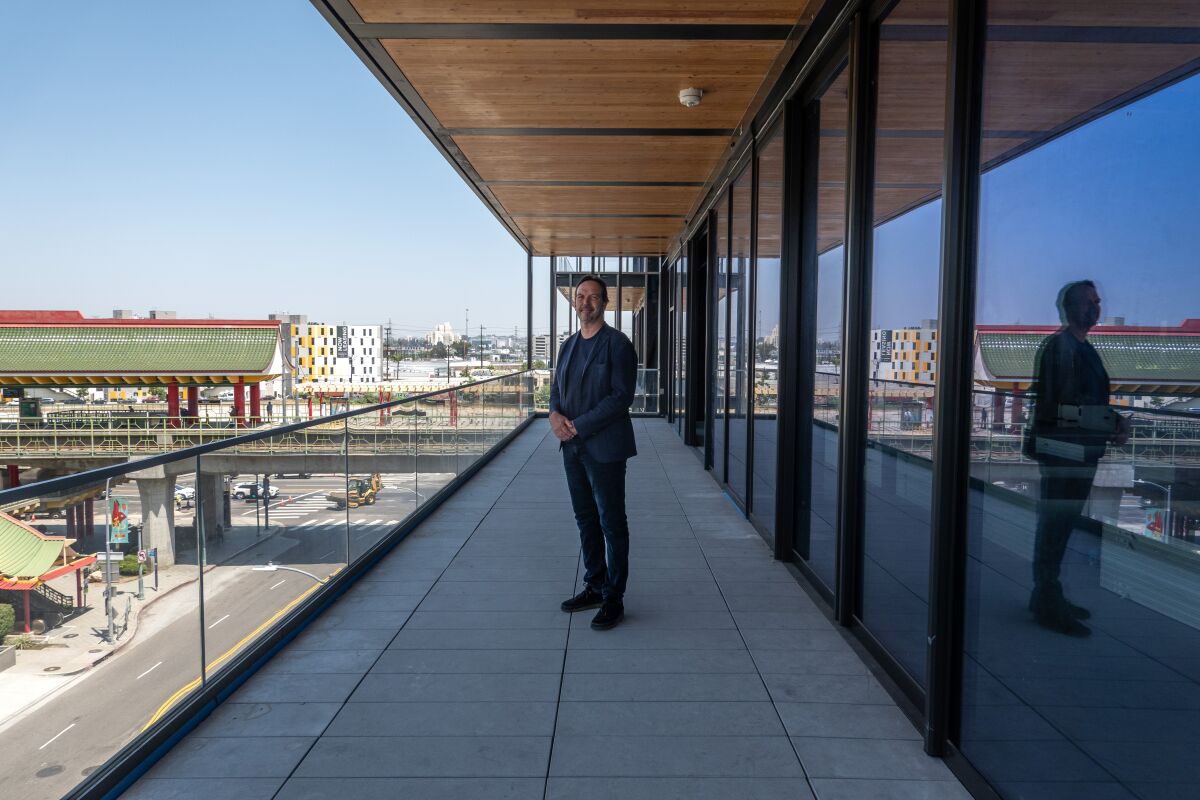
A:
(1072, 426)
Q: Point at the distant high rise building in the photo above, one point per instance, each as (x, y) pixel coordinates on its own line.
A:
(442, 334)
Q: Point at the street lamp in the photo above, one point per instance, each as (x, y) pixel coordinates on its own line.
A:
(271, 566)
(1169, 521)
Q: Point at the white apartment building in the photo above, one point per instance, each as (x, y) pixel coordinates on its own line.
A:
(541, 346)
(325, 354)
(908, 355)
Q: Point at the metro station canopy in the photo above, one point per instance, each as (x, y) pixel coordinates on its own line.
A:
(64, 348)
(564, 117)
(1139, 359)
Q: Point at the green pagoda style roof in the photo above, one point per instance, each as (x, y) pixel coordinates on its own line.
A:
(1131, 358)
(107, 348)
(26, 554)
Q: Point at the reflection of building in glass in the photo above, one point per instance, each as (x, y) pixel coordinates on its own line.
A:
(905, 354)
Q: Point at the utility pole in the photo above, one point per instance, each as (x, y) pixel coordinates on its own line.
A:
(481, 346)
(467, 332)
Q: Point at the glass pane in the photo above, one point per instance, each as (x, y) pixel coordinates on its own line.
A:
(831, 268)
(898, 486)
(1082, 663)
(767, 276)
(720, 332)
(739, 274)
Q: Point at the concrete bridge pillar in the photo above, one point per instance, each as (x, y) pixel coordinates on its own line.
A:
(158, 516)
(89, 517)
(210, 491)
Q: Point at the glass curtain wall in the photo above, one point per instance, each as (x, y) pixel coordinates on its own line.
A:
(830, 262)
(898, 478)
(1081, 671)
(736, 358)
(719, 270)
(765, 329)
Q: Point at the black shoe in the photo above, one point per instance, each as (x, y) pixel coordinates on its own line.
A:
(609, 615)
(1054, 607)
(1062, 621)
(1078, 612)
(588, 598)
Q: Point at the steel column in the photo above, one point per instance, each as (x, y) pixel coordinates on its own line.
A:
(952, 397)
(864, 57)
(529, 309)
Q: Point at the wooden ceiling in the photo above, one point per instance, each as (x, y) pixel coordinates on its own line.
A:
(564, 117)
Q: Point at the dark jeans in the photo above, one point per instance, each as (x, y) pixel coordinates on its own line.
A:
(598, 499)
(1064, 490)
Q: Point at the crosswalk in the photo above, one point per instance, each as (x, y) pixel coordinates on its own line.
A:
(315, 523)
(300, 507)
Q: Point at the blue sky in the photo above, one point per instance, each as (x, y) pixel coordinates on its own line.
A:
(229, 158)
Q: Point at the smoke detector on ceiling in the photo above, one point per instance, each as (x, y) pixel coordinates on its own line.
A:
(690, 97)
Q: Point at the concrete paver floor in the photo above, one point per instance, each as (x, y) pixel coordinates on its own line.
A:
(449, 672)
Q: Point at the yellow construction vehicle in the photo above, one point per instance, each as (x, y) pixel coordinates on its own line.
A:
(363, 492)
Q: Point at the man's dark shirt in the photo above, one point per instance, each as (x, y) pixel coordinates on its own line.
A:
(1070, 373)
(579, 359)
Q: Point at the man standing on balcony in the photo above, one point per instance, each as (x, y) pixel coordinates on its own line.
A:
(1071, 428)
(589, 414)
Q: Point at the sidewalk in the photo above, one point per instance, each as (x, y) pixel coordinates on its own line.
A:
(81, 642)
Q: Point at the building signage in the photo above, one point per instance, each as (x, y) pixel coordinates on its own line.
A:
(885, 346)
(118, 531)
(343, 341)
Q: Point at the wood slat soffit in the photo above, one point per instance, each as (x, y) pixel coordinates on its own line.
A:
(566, 116)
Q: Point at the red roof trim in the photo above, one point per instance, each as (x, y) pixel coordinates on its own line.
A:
(41, 316)
(69, 568)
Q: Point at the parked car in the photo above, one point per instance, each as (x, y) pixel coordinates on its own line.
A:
(185, 492)
(251, 491)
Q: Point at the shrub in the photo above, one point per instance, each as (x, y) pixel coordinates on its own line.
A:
(129, 565)
(8, 620)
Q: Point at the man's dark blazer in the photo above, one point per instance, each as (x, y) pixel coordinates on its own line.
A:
(599, 406)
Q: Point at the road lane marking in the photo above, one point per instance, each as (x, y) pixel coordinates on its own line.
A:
(328, 554)
(281, 583)
(147, 672)
(218, 622)
(216, 662)
(60, 733)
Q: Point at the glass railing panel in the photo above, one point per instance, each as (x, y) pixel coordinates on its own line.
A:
(232, 540)
(81, 618)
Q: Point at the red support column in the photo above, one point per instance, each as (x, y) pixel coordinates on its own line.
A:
(239, 403)
(79, 588)
(193, 403)
(14, 476)
(997, 412)
(89, 515)
(310, 405)
(173, 405)
(28, 625)
(1018, 407)
(255, 403)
